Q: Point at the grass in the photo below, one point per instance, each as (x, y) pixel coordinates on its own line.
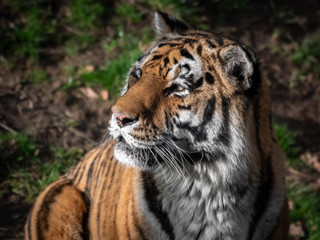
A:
(27, 29)
(85, 14)
(123, 50)
(26, 167)
(130, 12)
(306, 203)
(112, 74)
(286, 138)
(37, 75)
(306, 208)
(31, 33)
(283, 13)
(180, 8)
(307, 57)
(84, 18)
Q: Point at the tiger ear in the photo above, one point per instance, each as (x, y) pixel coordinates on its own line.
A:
(238, 64)
(164, 23)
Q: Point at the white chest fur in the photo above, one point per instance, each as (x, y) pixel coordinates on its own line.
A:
(199, 209)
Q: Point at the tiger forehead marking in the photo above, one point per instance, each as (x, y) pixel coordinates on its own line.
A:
(197, 52)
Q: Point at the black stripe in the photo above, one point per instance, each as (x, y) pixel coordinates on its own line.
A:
(266, 176)
(167, 91)
(81, 166)
(80, 170)
(189, 41)
(134, 74)
(106, 185)
(199, 132)
(211, 44)
(166, 61)
(174, 121)
(156, 57)
(90, 171)
(151, 64)
(209, 78)
(85, 234)
(168, 44)
(102, 166)
(167, 119)
(198, 83)
(188, 107)
(151, 196)
(45, 206)
(185, 53)
(219, 40)
(224, 131)
(163, 38)
(163, 44)
(199, 50)
(114, 194)
(208, 111)
(113, 173)
(174, 44)
(166, 74)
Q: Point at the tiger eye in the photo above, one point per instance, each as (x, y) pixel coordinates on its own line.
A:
(179, 88)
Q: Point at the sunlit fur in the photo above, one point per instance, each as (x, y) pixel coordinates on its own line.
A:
(191, 155)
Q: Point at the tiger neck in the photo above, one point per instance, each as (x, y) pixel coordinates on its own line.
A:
(204, 201)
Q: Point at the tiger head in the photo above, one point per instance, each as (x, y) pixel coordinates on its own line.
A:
(185, 98)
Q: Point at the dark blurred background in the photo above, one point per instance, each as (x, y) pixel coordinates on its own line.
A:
(62, 64)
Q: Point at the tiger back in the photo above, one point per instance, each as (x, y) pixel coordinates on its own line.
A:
(192, 152)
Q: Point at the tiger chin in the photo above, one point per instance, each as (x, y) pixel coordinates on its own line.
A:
(192, 152)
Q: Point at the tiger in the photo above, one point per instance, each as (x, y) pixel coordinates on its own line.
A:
(191, 152)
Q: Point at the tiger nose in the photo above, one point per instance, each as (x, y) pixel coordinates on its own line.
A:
(123, 119)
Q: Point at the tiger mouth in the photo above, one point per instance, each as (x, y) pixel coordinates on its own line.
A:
(146, 156)
(136, 144)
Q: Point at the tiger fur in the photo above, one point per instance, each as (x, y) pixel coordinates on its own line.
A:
(193, 153)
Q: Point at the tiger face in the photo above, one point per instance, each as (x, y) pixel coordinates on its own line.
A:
(188, 94)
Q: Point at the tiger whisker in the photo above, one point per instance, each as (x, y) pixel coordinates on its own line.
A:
(159, 164)
(174, 161)
(167, 159)
(180, 160)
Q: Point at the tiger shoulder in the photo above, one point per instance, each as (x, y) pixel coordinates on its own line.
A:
(192, 153)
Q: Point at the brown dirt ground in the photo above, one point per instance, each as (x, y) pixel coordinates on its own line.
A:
(43, 110)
